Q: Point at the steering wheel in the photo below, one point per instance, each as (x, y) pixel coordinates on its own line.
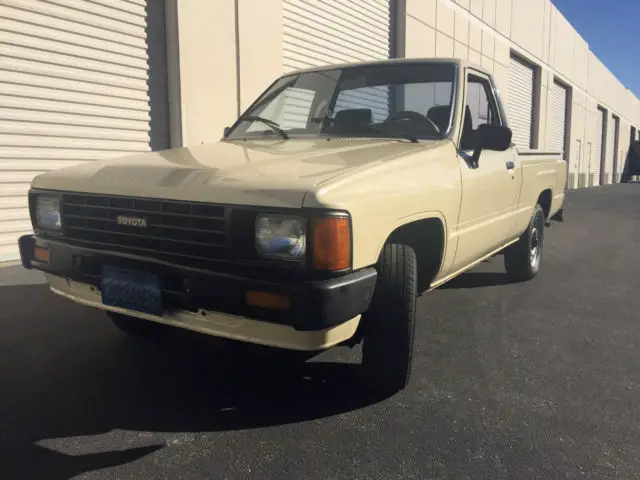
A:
(412, 116)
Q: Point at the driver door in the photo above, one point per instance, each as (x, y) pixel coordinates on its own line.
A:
(490, 188)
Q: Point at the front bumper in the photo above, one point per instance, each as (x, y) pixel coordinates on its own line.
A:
(315, 305)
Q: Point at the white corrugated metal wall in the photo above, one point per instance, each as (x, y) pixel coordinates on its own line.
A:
(615, 169)
(520, 102)
(76, 78)
(598, 145)
(320, 32)
(559, 98)
(611, 150)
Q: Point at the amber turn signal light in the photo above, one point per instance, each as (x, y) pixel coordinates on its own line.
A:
(271, 301)
(41, 254)
(331, 243)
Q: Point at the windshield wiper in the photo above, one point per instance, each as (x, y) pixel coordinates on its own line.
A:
(406, 136)
(270, 123)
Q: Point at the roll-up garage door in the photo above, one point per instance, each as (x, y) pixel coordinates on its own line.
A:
(80, 81)
(558, 117)
(520, 102)
(597, 147)
(617, 154)
(611, 149)
(320, 32)
(324, 32)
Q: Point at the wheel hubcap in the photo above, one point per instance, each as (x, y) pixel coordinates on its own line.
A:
(533, 252)
(535, 244)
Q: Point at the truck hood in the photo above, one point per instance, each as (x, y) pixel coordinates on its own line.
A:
(258, 172)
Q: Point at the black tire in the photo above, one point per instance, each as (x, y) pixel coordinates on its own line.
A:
(133, 326)
(389, 325)
(522, 259)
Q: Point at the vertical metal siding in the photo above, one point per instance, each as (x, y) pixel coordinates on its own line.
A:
(317, 32)
(611, 149)
(520, 102)
(558, 117)
(74, 87)
(617, 154)
(597, 147)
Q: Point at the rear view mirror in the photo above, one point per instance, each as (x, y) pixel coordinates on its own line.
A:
(226, 131)
(491, 137)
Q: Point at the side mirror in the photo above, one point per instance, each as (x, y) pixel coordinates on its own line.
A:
(491, 137)
(226, 131)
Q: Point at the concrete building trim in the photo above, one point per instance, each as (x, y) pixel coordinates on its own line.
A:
(398, 26)
(236, 21)
(173, 74)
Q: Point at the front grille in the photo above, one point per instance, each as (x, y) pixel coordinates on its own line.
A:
(173, 228)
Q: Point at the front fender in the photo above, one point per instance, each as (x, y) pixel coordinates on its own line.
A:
(402, 222)
(425, 184)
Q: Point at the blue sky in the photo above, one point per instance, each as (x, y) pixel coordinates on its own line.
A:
(610, 27)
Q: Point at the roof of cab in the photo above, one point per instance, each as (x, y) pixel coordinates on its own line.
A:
(457, 61)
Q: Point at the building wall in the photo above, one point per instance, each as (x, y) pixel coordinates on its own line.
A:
(208, 91)
(230, 50)
(486, 31)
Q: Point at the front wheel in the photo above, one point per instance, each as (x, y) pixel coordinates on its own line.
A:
(522, 259)
(389, 325)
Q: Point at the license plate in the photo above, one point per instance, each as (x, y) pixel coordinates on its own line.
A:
(131, 290)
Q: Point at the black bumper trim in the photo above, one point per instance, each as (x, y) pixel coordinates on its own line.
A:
(315, 304)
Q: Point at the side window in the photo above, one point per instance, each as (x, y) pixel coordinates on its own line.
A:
(480, 102)
(480, 109)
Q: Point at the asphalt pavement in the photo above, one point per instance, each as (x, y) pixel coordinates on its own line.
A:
(530, 380)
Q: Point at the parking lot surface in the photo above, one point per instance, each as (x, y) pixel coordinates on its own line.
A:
(530, 380)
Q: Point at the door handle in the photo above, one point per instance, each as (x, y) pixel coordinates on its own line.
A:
(510, 165)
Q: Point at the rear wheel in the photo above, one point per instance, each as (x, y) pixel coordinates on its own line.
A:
(522, 259)
(389, 325)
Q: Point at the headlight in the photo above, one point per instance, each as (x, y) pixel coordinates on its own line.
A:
(48, 212)
(281, 237)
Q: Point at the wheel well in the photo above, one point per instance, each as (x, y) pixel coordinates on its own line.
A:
(545, 202)
(426, 237)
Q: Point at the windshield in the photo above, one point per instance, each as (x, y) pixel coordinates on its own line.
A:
(401, 100)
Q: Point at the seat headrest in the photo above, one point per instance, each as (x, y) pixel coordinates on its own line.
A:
(353, 115)
(440, 116)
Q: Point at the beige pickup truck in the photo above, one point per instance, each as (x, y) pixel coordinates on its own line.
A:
(327, 208)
